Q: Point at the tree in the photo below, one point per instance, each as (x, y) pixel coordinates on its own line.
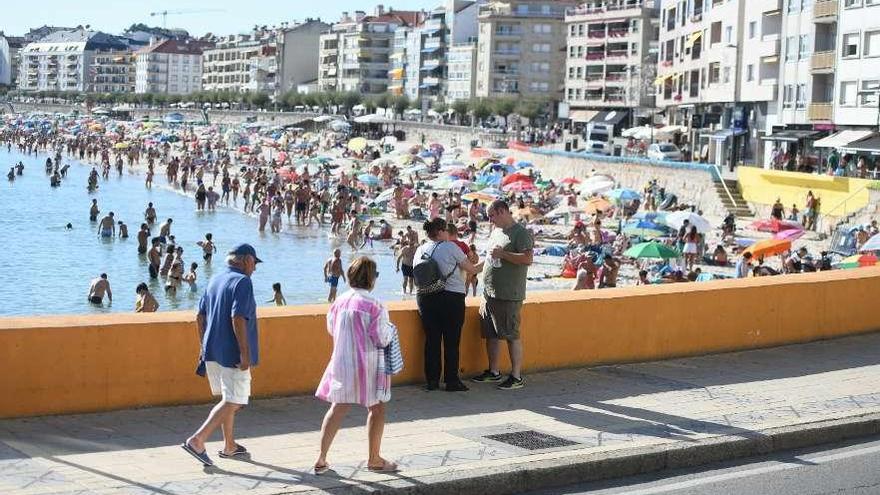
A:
(400, 104)
(440, 107)
(350, 100)
(460, 107)
(530, 109)
(480, 109)
(503, 106)
(259, 100)
(370, 104)
(383, 100)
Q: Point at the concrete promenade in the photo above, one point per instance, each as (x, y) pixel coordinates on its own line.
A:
(611, 420)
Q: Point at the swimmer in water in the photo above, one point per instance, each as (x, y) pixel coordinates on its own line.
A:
(93, 211)
(332, 272)
(107, 228)
(208, 247)
(277, 296)
(145, 302)
(123, 230)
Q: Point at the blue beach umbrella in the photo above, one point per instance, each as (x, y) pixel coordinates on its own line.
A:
(621, 195)
(645, 229)
(368, 180)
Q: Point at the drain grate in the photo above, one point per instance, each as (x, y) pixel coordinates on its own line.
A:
(531, 440)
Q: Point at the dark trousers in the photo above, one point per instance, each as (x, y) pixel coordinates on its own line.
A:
(442, 317)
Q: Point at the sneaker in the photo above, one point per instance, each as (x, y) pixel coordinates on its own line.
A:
(511, 383)
(488, 376)
(456, 387)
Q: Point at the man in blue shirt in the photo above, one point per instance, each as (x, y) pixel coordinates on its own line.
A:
(227, 323)
(742, 266)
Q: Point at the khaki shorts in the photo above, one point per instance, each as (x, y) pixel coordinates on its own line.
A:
(233, 384)
(500, 319)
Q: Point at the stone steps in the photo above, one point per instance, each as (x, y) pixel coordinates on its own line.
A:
(741, 208)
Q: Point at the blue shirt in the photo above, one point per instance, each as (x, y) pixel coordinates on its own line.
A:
(229, 294)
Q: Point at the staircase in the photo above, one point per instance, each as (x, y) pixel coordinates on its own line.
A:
(741, 209)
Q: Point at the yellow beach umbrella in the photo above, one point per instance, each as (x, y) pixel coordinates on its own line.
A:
(121, 146)
(357, 144)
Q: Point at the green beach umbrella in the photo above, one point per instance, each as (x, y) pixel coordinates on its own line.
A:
(652, 250)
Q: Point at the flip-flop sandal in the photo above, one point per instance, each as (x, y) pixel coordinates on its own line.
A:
(239, 450)
(387, 467)
(319, 470)
(200, 456)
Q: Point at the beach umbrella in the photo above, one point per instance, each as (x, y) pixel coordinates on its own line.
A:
(516, 177)
(768, 247)
(652, 250)
(570, 180)
(564, 209)
(597, 204)
(856, 261)
(121, 146)
(489, 179)
(622, 195)
(451, 162)
(369, 180)
(419, 167)
(357, 144)
(790, 234)
(460, 173)
(383, 161)
(596, 184)
(480, 153)
(520, 186)
(677, 219)
(645, 229)
(409, 159)
(773, 225)
(385, 196)
(444, 182)
(873, 244)
(453, 167)
(479, 196)
(461, 183)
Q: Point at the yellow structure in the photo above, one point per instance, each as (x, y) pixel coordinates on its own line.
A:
(67, 364)
(844, 195)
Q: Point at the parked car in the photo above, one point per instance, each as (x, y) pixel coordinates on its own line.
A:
(597, 147)
(665, 152)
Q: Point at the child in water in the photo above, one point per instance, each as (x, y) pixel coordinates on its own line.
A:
(277, 297)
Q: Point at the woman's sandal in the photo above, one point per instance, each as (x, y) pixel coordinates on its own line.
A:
(319, 470)
(386, 467)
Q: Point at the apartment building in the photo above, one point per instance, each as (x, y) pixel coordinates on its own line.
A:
(5, 62)
(298, 48)
(356, 54)
(242, 63)
(16, 44)
(521, 49)
(77, 60)
(857, 73)
(461, 72)
(611, 58)
(170, 67)
(707, 48)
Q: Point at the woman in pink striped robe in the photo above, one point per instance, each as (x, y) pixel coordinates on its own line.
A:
(358, 323)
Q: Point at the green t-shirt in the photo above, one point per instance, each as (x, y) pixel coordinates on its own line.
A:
(507, 282)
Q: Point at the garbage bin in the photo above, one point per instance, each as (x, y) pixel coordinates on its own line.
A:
(618, 150)
(568, 146)
(574, 144)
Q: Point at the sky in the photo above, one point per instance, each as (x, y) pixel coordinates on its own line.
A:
(225, 16)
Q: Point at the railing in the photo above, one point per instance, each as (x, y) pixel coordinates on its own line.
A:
(843, 218)
(822, 60)
(820, 111)
(718, 174)
(824, 8)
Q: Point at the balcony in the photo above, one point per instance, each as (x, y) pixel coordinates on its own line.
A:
(769, 47)
(820, 111)
(825, 11)
(507, 53)
(513, 33)
(822, 62)
(617, 54)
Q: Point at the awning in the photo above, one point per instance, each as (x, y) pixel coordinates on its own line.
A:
(791, 135)
(841, 139)
(693, 39)
(430, 32)
(612, 117)
(724, 134)
(397, 55)
(661, 79)
(868, 145)
(395, 73)
(581, 115)
(429, 68)
(431, 49)
(770, 59)
(427, 85)
(671, 129)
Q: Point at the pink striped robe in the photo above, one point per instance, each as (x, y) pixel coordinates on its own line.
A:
(358, 323)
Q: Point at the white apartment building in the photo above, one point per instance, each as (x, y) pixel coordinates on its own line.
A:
(5, 62)
(858, 65)
(610, 58)
(461, 69)
(521, 49)
(298, 48)
(77, 60)
(356, 54)
(242, 63)
(170, 67)
(703, 82)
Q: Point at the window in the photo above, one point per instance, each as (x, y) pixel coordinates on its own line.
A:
(753, 28)
(728, 34)
(848, 93)
(870, 90)
(541, 47)
(542, 28)
(634, 49)
(571, 30)
(801, 96)
(788, 96)
(849, 4)
(793, 6)
(726, 75)
(634, 26)
(872, 43)
(716, 32)
(872, 2)
(850, 45)
(804, 46)
(750, 72)
(714, 72)
(790, 47)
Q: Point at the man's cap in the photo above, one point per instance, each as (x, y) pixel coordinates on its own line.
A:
(245, 250)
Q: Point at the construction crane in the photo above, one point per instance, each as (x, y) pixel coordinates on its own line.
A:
(166, 13)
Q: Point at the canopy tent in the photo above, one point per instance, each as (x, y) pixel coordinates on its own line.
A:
(791, 135)
(868, 145)
(372, 119)
(841, 139)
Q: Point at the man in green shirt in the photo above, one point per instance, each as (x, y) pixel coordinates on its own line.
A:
(504, 289)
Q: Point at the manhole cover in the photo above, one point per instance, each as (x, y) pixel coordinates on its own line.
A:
(531, 440)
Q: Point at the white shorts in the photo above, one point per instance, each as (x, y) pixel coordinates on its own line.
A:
(690, 248)
(233, 384)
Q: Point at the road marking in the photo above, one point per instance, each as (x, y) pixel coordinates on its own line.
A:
(781, 466)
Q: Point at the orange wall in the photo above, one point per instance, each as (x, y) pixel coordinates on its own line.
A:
(69, 364)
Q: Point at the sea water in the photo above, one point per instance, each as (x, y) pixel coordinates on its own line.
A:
(46, 268)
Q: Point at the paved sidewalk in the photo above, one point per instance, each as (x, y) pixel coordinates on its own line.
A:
(604, 412)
